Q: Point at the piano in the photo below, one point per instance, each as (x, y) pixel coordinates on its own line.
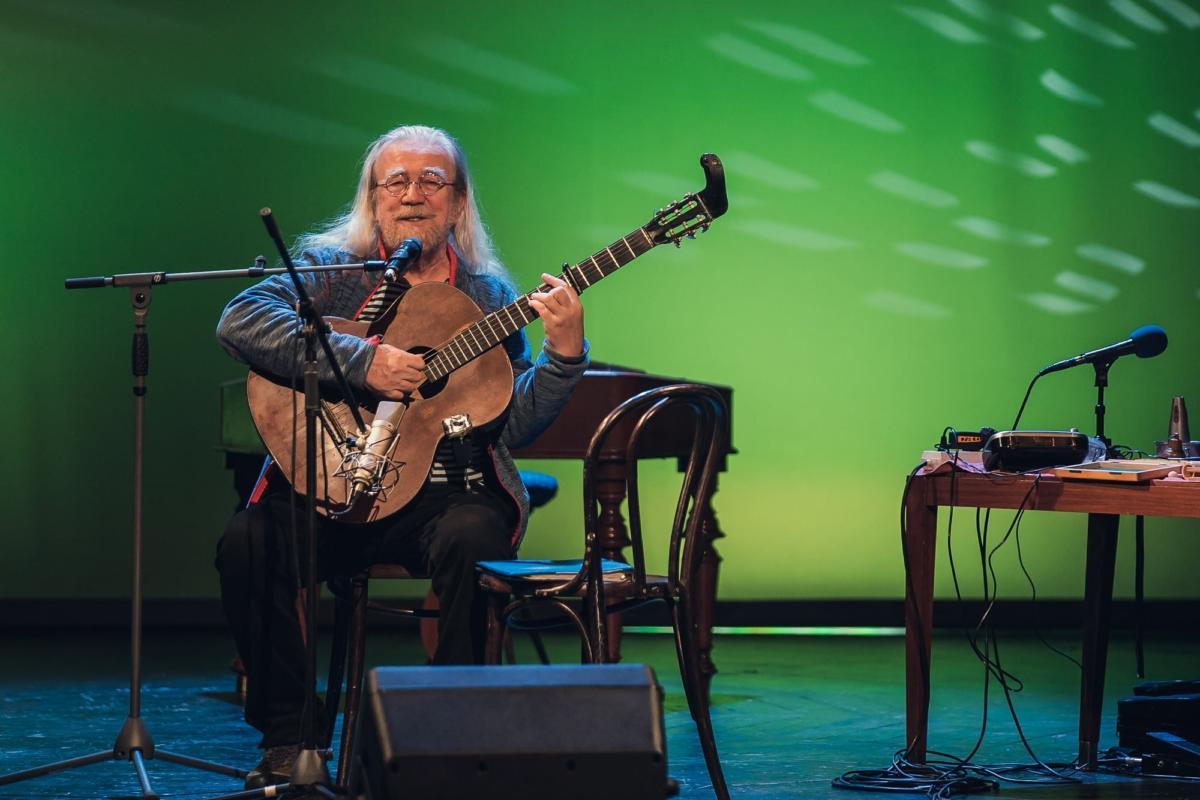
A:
(602, 388)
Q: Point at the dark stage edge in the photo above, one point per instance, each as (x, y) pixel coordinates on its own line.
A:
(790, 713)
(1171, 616)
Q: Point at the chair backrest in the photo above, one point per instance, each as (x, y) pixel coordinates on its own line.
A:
(696, 408)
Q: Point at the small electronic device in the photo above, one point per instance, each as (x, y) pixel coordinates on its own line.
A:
(970, 441)
(1018, 451)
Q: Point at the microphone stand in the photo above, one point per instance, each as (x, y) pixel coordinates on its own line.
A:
(310, 774)
(1102, 382)
(134, 743)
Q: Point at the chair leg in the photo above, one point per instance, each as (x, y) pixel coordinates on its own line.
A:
(688, 651)
(354, 678)
(510, 653)
(540, 647)
(337, 664)
(497, 630)
(429, 626)
(595, 631)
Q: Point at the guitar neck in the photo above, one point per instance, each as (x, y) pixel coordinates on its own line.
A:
(479, 337)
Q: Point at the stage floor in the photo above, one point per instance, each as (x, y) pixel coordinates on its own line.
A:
(790, 712)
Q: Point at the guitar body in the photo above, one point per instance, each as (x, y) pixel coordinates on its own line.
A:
(427, 315)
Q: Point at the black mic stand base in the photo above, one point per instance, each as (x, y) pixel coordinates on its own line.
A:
(135, 756)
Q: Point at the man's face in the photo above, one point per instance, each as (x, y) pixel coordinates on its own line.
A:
(413, 213)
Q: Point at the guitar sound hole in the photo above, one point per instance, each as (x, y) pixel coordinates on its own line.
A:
(429, 390)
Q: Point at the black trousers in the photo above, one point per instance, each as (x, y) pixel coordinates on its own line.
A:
(441, 533)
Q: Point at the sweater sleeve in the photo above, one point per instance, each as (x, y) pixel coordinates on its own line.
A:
(541, 387)
(261, 327)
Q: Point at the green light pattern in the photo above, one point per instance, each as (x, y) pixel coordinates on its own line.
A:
(928, 202)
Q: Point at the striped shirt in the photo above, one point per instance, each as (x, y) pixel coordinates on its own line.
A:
(384, 296)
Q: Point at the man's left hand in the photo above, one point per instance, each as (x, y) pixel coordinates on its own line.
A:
(562, 316)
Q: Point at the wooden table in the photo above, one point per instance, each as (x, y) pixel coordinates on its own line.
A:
(1103, 502)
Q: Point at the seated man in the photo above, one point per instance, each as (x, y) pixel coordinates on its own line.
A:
(414, 183)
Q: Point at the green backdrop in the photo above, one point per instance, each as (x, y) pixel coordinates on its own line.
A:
(929, 202)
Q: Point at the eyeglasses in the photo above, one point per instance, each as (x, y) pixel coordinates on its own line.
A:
(427, 185)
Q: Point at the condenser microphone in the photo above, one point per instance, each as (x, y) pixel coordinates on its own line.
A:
(408, 251)
(1145, 342)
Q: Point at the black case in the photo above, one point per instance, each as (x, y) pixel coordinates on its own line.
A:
(1018, 451)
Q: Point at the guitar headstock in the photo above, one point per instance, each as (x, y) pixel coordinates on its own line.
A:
(694, 212)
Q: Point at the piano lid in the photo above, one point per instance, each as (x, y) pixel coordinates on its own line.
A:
(601, 389)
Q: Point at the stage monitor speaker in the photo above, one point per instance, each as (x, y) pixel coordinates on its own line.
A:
(513, 733)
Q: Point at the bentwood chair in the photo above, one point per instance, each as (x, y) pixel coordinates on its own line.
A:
(589, 590)
(348, 649)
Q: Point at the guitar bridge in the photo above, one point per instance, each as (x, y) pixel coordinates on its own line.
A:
(457, 426)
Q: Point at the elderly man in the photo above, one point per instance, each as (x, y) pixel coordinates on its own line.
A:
(414, 183)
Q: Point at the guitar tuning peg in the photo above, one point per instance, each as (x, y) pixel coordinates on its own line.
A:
(678, 243)
(691, 236)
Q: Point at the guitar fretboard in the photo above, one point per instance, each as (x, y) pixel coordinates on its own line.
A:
(481, 336)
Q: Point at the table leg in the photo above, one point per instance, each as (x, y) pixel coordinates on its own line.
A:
(920, 542)
(1097, 613)
(613, 535)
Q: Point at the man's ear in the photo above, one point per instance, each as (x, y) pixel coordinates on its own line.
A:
(460, 200)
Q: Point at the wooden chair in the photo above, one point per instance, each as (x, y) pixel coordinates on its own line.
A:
(587, 593)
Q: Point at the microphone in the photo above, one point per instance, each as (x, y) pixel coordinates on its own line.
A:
(1145, 342)
(370, 467)
(409, 250)
(372, 462)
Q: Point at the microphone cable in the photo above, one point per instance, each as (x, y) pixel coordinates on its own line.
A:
(1024, 400)
(947, 775)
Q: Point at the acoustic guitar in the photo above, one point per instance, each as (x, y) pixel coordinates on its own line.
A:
(366, 475)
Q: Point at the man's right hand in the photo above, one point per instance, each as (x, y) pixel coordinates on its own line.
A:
(394, 373)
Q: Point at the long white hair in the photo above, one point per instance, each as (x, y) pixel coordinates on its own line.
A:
(356, 232)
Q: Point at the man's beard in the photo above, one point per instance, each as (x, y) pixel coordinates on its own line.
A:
(433, 238)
